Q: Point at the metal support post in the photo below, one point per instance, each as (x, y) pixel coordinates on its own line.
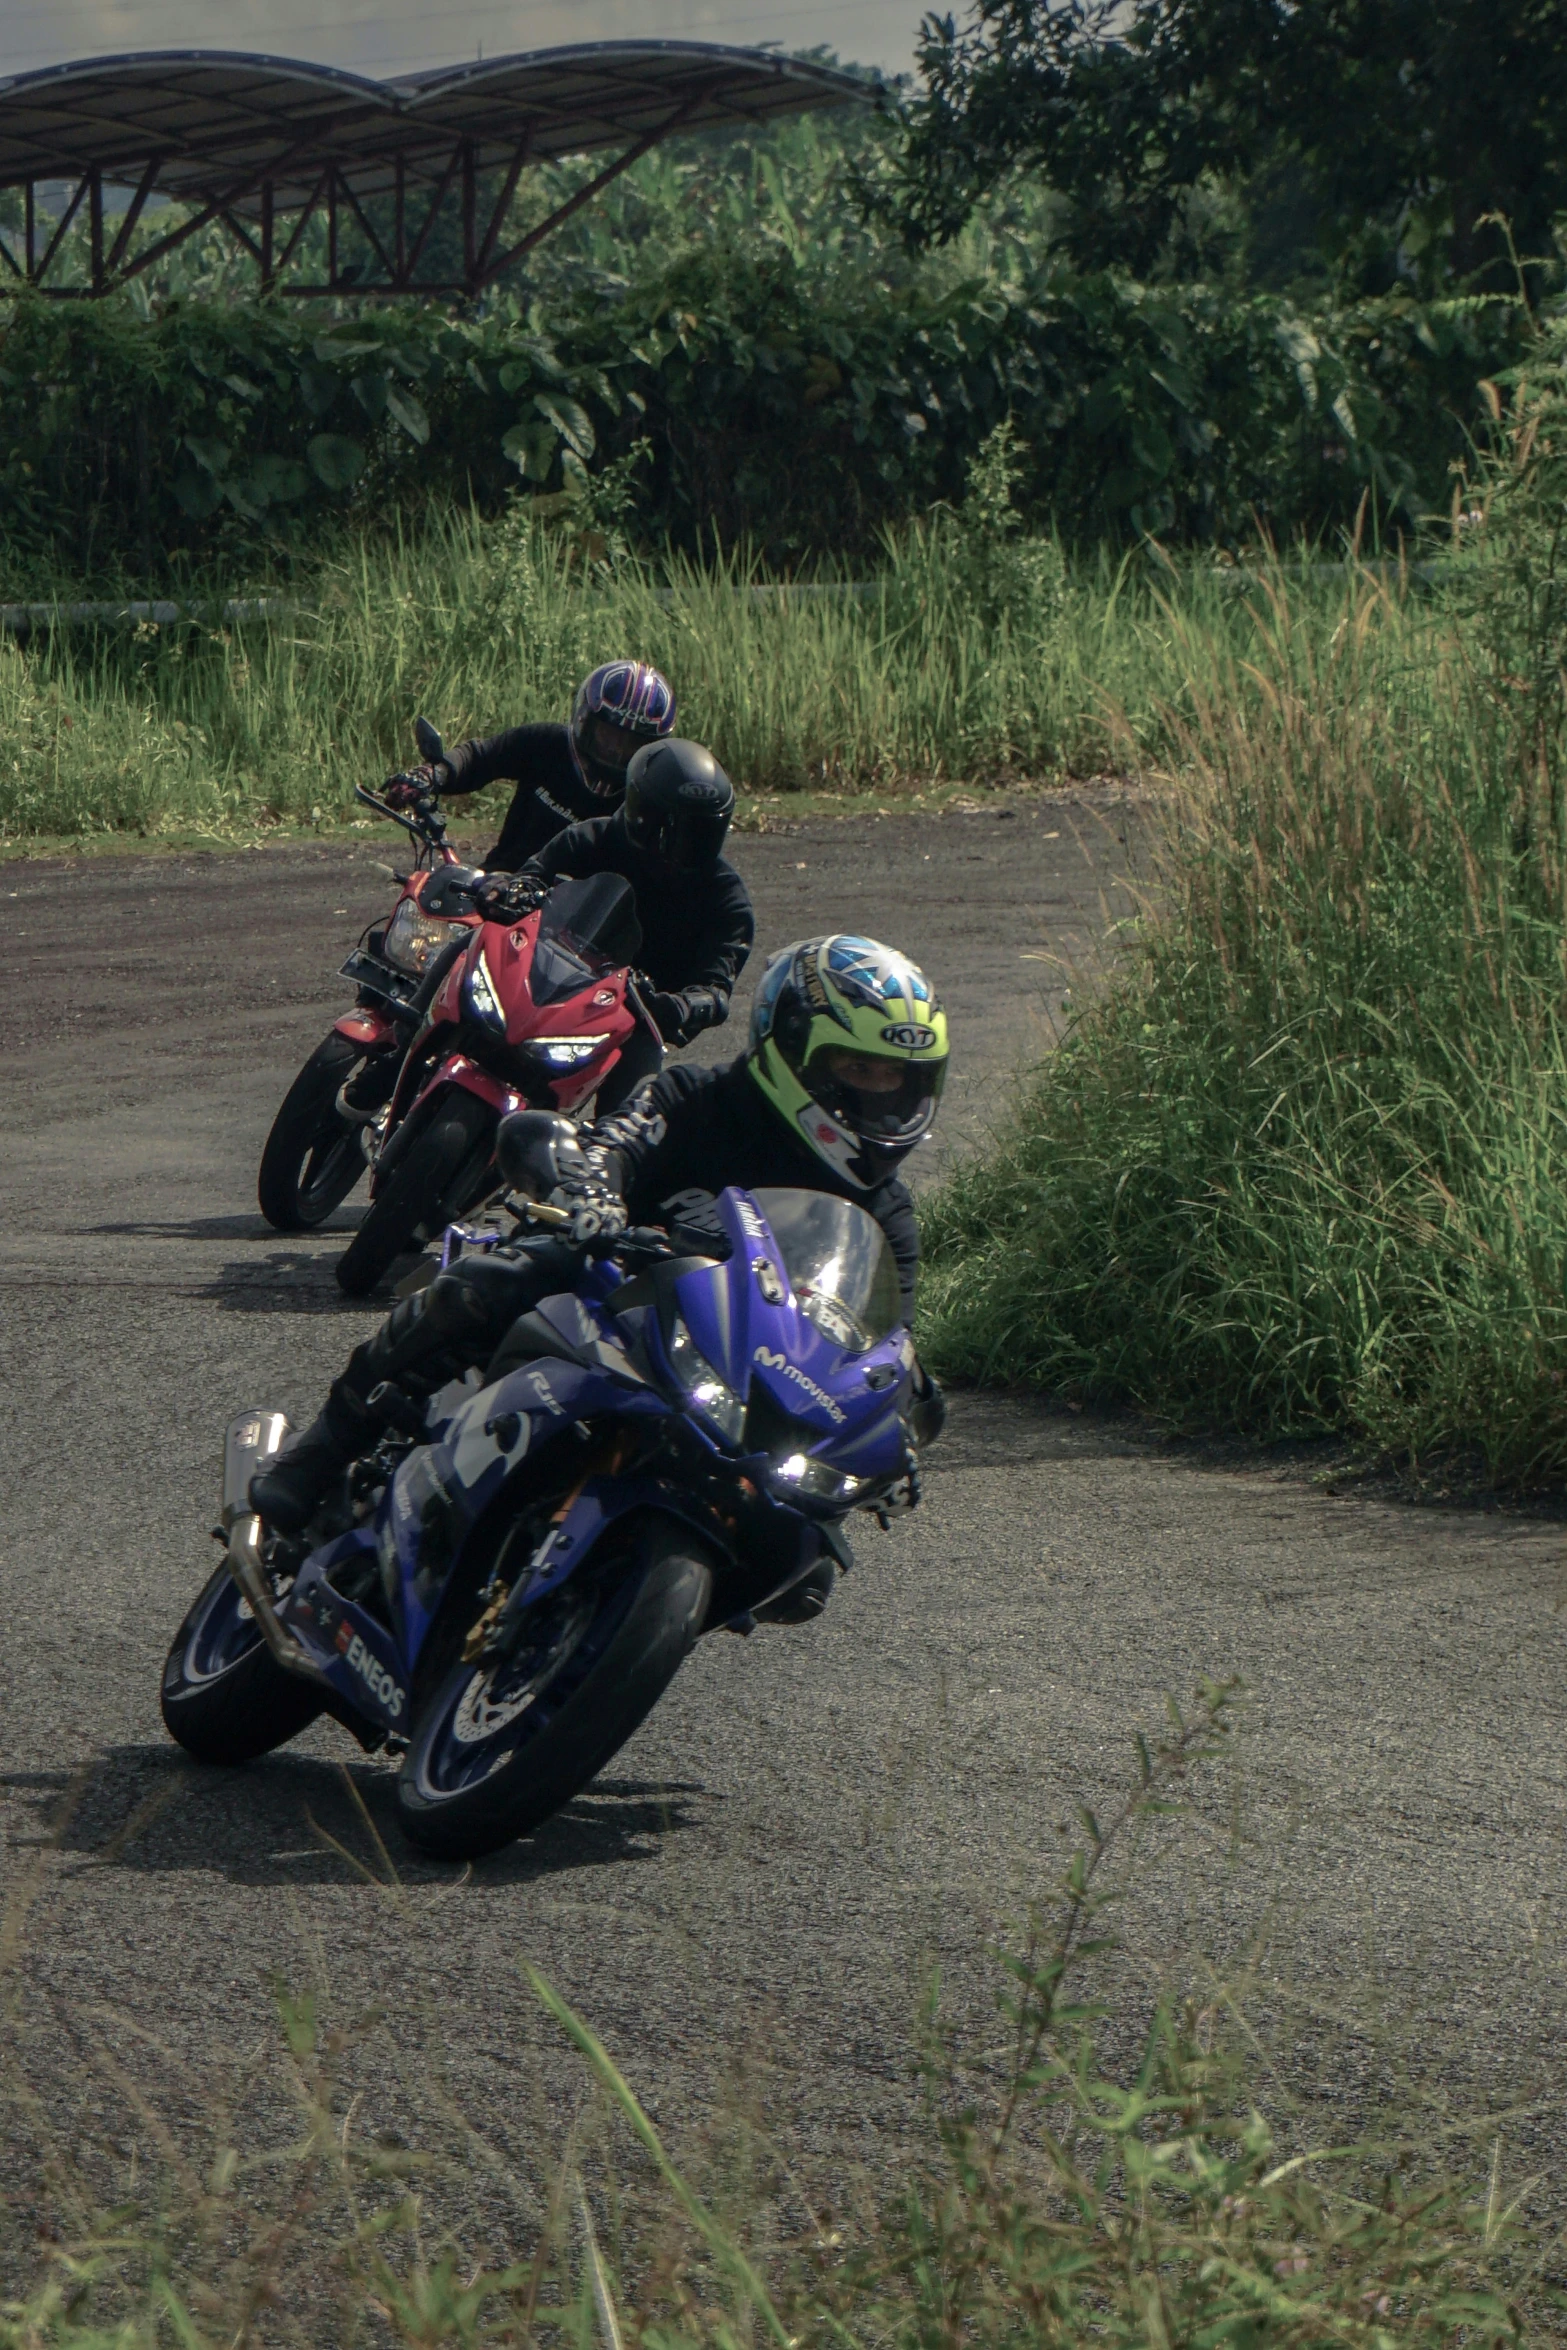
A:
(95, 227)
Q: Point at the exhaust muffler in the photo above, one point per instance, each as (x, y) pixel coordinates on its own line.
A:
(253, 1440)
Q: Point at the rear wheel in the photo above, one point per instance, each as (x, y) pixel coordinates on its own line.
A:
(502, 1745)
(313, 1157)
(434, 1180)
(226, 1698)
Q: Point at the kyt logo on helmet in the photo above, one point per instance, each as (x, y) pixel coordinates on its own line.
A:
(849, 1044)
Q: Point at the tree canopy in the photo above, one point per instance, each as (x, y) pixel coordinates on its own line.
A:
(1391, 128)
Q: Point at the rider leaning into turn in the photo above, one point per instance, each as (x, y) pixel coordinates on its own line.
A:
(564, 774)
(666, 838)
(842, 1077)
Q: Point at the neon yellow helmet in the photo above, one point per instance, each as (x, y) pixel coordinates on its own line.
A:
(849, 1045)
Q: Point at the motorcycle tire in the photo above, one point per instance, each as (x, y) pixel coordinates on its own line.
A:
(432, 1182)
(313, 1157)
(225, 1698)
(499, 1749)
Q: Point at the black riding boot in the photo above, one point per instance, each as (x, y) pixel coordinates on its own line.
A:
(420, 1345)
(289, 1494)
(425, 1340)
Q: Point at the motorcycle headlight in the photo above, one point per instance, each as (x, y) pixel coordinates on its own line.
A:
(483, 1001)
(413, 940)
(817, 1479)
(701, 1382)
(564, 1052)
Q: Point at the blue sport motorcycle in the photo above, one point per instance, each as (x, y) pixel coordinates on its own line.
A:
(514, 1576)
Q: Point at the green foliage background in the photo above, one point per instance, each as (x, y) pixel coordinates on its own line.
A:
(802, 380)
(1302, 1167)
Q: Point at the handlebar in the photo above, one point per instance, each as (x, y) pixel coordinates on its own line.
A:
(424, 825)
(644, 1241)
(636, 982)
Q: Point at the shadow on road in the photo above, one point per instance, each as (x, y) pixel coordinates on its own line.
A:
(286, 1282)
(292, 1819)
(251, 1227)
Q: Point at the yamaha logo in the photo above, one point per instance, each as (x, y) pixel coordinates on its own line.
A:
(909, 1036)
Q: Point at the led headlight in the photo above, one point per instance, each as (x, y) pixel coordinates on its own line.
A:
(483, 1002)
(565, 1052)
(816, 1479)
(413, 939)
(701, 1382)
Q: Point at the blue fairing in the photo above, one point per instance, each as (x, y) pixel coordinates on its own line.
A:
(779, 1348)
(845, 1405)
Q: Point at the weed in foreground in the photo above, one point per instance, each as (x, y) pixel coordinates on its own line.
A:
(1053, 2195)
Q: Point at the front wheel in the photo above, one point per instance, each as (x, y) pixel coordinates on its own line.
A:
(501, 1746)
(312, 1158)
(226, 1698)
(433, 1181)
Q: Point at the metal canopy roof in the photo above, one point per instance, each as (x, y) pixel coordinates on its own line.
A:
(215, 126)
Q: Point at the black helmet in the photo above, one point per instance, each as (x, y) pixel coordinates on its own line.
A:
(678, 804)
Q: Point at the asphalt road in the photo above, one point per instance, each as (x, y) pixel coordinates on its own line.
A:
(756, 1891)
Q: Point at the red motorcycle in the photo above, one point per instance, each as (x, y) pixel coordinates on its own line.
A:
(469, 1007)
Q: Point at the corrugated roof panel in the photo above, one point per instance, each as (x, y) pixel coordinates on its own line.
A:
(223, 121)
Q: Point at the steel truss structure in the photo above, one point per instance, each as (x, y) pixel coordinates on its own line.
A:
(263, 146)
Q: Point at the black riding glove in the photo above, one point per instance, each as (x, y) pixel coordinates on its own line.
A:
(508, 897)
(678, 1018)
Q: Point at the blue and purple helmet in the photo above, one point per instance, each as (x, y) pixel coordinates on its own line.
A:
(623, 705)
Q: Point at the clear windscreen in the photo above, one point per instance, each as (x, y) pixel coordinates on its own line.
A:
(838, 1262)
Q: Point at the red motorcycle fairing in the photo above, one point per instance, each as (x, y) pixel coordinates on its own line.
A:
(457, 1069)
(373, 1030)
(599, 1008)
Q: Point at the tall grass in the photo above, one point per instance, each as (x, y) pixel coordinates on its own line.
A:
(1305, 1167)
(972, 654)
(1057, 2193)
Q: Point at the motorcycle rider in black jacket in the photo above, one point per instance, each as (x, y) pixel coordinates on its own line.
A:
(666, 840)
(564, 774)
(842, 1078)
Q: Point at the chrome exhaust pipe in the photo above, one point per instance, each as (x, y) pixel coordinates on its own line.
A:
(244, 1564)
(253, 1440)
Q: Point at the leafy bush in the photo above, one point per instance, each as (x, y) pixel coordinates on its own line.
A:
(1305, 1166)
(797, 400)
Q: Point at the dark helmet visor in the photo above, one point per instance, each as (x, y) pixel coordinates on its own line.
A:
(883, 1099)
(690, 839)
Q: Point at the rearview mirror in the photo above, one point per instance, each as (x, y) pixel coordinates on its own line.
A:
(430, 744)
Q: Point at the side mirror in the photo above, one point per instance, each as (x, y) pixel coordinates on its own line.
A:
(428, 738)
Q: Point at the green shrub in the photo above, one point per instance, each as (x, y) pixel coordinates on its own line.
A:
(798, 398)
(1305, 1166)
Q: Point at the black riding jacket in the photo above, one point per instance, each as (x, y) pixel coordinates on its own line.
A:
(551, 790)
(697, 928)
(694, 1132)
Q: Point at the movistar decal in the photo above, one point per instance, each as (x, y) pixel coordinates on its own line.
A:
(818, 1395)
